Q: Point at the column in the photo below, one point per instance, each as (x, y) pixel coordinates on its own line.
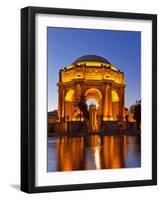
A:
(59, 103)
(63, 105)
(105, 103)
(60, 98)
(107, 112)
(77, 91)
(121, 103)
(109, 115)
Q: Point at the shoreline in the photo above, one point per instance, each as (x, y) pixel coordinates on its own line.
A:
(101, 133)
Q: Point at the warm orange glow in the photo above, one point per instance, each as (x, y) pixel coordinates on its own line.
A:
(70, 153)
(70, 66)
(95, 80)
(97, 158)
(69, 95)
(107, 152)
(107, 118)
(93, 93)
(115, 96)
(91, 72)
(93, 64)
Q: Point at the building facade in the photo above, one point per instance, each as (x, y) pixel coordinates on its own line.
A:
(94, 77)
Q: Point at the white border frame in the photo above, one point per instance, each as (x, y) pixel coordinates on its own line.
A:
(42, 178)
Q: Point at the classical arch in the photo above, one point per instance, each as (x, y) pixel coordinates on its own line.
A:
(68, 108)
(115, 97)
(93, 93)
(93, 101)
(69, 95)
(95, 112)
(94, 77)
(115, 105)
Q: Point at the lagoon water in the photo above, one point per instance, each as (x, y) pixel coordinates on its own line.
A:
(68, 153)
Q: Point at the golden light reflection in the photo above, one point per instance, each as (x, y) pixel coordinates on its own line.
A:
(97, 158)
(94, 152)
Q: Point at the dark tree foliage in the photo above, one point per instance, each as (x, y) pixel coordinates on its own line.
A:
(137, 114)
(82, 105)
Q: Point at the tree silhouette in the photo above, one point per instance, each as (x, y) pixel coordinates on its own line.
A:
(137, 114)
(82, 105)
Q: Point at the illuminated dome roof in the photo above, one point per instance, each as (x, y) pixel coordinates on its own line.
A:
(91, 61)
(91, 58)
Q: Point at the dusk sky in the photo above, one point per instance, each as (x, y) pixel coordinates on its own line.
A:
(121, 48)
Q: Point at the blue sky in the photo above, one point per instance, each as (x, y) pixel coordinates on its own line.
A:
(121, 48)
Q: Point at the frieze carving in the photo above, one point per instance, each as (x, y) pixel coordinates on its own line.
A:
(92, 74)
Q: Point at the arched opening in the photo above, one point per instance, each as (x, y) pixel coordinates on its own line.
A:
(93, 93)
(93, 114)
(94, 96)
(115, 105)
(94, 102)
(69, 95)
(115, 96)
(69, 99)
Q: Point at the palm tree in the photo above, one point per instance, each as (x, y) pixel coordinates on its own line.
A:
(83, 108)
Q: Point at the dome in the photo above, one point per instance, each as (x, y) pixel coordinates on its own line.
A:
(91, 58)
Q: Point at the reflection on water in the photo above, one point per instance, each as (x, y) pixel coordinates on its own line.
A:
(66, 153)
